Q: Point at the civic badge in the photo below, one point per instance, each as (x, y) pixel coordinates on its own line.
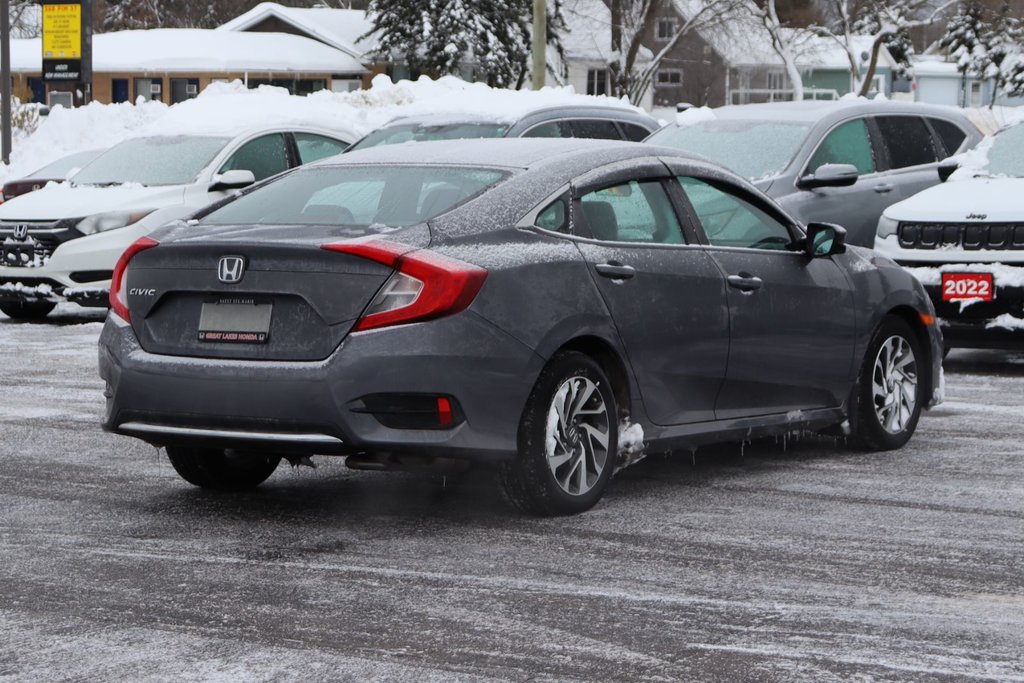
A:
(20, 231)
(231, 269)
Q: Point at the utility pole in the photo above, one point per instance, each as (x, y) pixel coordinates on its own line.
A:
(5, 79)
(540, 42)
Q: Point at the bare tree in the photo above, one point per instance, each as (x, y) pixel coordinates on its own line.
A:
(788, 42)
(882, 22)
(633, 19)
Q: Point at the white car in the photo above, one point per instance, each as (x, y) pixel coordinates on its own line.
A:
(61, 242)
(964, 240)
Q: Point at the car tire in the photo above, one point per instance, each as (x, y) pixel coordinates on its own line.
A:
(27, 311)
(890, 391)
(220, 469)
(562, 467)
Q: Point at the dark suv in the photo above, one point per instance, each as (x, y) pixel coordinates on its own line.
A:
(842, 162)
(603, 123)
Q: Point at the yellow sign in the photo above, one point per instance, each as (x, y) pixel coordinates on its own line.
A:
(62, 31)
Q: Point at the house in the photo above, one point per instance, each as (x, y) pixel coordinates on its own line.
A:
(726, 63)
(340, 29)
(172, 65)
(938, 81)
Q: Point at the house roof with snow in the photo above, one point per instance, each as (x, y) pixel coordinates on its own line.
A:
(183, 50)
(342, 29)
(742, 40)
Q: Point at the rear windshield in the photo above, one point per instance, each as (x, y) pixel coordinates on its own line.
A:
(157, 160)
(391, 135)
(368, 199)
(752, 149)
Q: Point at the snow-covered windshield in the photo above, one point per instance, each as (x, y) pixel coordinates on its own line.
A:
(365, 199)
(157, 160)
(1006, 155)
(391, 135)
(65, 165)
(753, 149)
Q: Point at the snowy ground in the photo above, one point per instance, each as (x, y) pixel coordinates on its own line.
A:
(781, 562)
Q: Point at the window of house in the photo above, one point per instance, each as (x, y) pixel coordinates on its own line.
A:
(597, 81)
(149, 89)
(183, 89)
(976, 94)
(776, 80)
(665, 30)
(670, 77)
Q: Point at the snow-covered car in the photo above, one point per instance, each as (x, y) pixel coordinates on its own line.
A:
(54, 172)
(964, 240)
(61, 242)
(838, 162)
(576, 121)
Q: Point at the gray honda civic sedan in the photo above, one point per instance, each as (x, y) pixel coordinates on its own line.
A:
(542, 305)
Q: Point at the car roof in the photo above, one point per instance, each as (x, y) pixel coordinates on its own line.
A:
(812, 111)
(452, 118)
(513, 153)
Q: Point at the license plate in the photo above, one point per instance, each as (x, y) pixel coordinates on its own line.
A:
(968, 287)
(235, 321)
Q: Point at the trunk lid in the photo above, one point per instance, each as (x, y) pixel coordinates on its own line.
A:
(293, 300)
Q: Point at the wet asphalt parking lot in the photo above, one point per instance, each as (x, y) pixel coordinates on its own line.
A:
(781, 560)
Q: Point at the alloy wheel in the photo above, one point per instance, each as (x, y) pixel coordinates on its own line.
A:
(576, 435)
(894, 384)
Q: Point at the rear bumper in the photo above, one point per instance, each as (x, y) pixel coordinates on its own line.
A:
(312, 407)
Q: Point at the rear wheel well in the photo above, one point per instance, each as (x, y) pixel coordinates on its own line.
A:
(608, 358)
(913, 318)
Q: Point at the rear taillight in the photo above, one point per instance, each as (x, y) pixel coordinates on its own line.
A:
(424, 285)
(118, 284)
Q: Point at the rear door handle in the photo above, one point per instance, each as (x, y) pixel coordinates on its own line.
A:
(615, 270)
(745, 283)
(882, 188)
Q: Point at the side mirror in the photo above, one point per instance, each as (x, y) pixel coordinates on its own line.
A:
(232, 180)
(829, 175)
(947, 167)
(825, 239)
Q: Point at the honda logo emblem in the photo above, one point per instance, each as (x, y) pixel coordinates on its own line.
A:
(20, 231)
(231, 269)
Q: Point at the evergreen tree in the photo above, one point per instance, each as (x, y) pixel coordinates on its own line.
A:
(963, 38)
(442, 36)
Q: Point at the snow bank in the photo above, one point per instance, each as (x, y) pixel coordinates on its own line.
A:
(232, 108)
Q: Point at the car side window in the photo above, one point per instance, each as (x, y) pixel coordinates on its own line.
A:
(313, 147)
(265, 156)
(554, 217)
(632, 212)
(598, 129)
(848, 143)
(908, 141)
(731, 221)
(951, 135)
(550, 129)
(633, 132)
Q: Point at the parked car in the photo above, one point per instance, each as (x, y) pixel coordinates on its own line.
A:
(604, 123)
(964, 241)
(521, 302)
(54, 172)
(842, 161)
(61, 242)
